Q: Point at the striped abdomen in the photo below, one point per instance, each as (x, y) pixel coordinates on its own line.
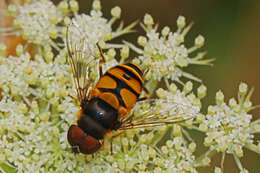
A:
(121, 86)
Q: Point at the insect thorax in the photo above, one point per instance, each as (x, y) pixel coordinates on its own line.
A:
(98, 117)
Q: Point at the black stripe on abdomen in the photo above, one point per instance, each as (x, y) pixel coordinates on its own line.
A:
(131, 74)
(135, 67)
(116, 91)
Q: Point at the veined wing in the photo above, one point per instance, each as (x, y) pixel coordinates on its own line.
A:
(80, 52)
(157, 112)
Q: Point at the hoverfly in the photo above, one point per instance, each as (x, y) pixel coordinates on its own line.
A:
(108, 106)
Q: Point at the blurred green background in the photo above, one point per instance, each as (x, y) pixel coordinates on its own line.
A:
(231, 29)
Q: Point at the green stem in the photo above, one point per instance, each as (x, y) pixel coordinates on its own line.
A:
(253, 148)
(209, 154)
(187, 135)
(166, 82)
(7, 168)
(239, 165)
(222, 161)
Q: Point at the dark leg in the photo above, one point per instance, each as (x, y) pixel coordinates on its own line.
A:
(111, 142)
(101, 61)
(145, 97)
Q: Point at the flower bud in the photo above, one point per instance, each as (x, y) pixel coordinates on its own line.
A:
(164, 149)
(203, 127)
(232, 103)
(53, 18)
(67, 21)
(211, 110)
(199, 41)
(148, 50)
(179, 38)
(208, 141)
(96, 5)
(53, 32)
(161, 93)
(44, 116)
(173, 88)
(181, 61)
(124, 52)
(148, 20)
(63, 6)
(116, 12)
(243, 88)
(74, 6)
(188, 87)
(142, 40)
(61, 107)
(202, 90)
(192, 147)
(217, 170)
(169, 143)
(165, 31)
(111, 53)
(181, 22)
(48, 56)
(200, 118)
(23, 108)
(219, 97)
(247, 105)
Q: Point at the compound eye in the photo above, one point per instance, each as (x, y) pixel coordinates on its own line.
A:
(89, 145)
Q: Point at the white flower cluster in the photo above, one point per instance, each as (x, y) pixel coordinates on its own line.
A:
(35, 111)
(102, 30)
(140, 156)
(228, 125)
(36, 115)
(38, 21)
(165, 54)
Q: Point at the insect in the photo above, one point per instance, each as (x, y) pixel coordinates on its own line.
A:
(107, 106)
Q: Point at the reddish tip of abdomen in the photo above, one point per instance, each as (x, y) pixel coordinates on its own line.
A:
(90, 145)
(82, 142)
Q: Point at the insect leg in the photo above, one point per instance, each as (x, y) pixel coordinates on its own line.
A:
(102, 144)
(111, 142)
(145, 97)
(103, 60)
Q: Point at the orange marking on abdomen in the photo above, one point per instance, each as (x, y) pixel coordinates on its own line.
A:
(79, 113)
(110, 98)
(128, 97)
(132, 82)
(106, 82)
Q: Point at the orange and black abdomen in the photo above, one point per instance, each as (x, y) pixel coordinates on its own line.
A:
(121, 86)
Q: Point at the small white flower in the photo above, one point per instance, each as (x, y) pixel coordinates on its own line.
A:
(38, 21)
(164, 55)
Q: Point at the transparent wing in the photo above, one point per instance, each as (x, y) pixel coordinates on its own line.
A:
(157, 112)
(80, 52)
